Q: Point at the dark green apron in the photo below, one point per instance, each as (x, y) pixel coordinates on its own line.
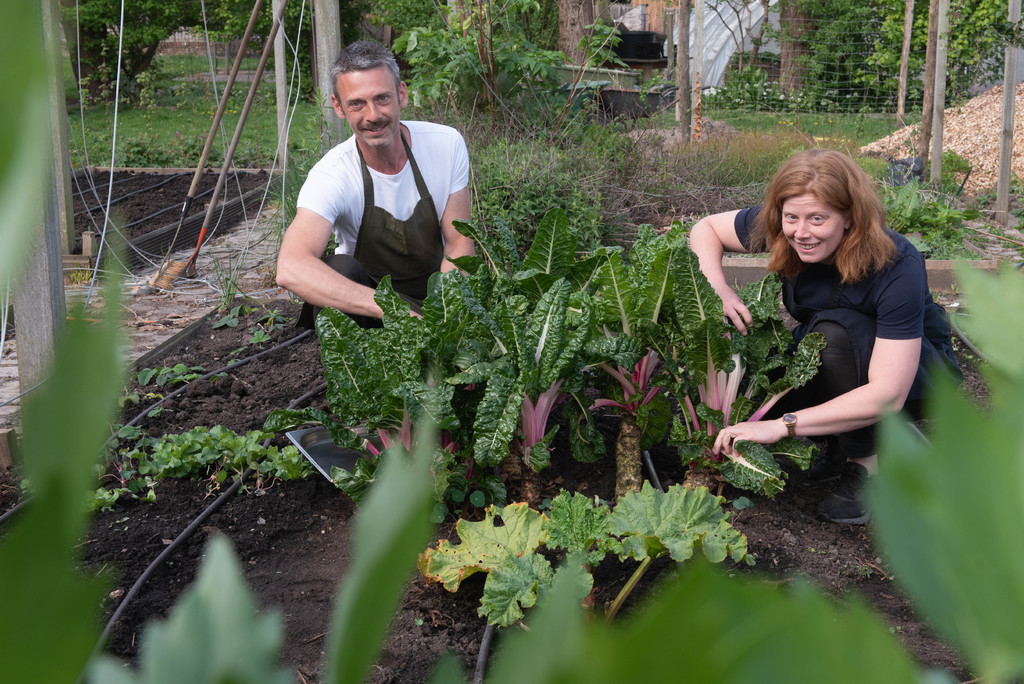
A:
(409, 251)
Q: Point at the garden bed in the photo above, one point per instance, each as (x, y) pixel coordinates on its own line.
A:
(292, 537)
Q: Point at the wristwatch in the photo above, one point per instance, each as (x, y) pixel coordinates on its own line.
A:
(790, 421)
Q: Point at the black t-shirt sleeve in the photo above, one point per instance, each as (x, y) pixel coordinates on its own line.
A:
(744, 223)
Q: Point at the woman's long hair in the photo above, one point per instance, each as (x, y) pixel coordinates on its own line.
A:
(836, 180)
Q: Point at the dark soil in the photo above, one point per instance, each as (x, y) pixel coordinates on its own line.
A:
(292, 537)
(143, 202)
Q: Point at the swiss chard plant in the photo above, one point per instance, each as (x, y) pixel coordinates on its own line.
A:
(635, 297)
(509, 544)
(725, 378)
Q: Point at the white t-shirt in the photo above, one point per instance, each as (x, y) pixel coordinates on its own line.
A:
(334, 187)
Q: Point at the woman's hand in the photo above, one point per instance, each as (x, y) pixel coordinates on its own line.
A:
(760, 431)
(735, 310)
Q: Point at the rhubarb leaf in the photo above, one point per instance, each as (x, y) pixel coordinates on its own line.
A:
(578, 525)
(655, 523)
(513, 585)
(484, 545)
(753, 468)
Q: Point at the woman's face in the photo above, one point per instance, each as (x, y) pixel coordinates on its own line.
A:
(812, 228)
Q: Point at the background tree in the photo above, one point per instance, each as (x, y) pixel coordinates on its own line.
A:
(93, 32)
(228, 19)
(573, 18)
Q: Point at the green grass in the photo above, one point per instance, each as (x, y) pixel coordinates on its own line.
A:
(168, 126)
(842, 131)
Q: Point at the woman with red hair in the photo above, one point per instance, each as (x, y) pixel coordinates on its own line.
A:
(848, 276)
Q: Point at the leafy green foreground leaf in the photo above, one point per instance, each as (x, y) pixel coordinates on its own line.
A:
(949, 528)
(213, 635)
(37, 577)
(706, 627)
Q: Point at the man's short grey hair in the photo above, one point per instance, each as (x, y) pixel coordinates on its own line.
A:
(363, 56)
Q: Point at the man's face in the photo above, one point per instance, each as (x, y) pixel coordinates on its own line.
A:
(371, 102)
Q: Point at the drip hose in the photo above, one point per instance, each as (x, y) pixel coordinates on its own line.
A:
(481, 659)
(193, 526)
(650, 468)
(181, 538)
(11, 513)
(225, 369)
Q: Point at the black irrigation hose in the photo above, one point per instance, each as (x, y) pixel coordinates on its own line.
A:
(231, 366)
(11, 513)
(481, 659)
(193, 526)
(178, 541)
(650, 469)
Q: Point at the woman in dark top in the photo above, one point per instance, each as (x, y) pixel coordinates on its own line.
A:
(849, 277)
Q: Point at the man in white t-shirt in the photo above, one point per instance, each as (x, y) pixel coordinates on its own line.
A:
(389, 194)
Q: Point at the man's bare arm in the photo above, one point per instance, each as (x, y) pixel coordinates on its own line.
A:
(456, 244)
(301, 271)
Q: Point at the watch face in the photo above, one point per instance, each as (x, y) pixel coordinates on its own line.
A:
(789, 418)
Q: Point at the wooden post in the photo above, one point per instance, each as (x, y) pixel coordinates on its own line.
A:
(1002, 214)
(670, 38)
(901, 98)
(924, 139)
(683, 71)
(698, 68)
(89, 243)
(58, 108)
(281, 81)
(7, 448)
(39, 311)
(327, 36)
(939, 100)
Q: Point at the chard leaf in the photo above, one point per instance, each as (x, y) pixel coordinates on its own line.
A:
(614, 294)
(349, 385)
(496, 420)
(484, 545)
(621, 350)
(583, 272)
(696, 302)
(429, 404)
(578, 525)
(553, 247)
(795, 450)
(287, 419)
(585, 440)
(356, 484)
(484, 244)
(653, 418)
(534, 283)
(803, 365)
(753, 468)
(546, 335)
(654, 523)
(538, 455)
(512, 586)
(653, 294)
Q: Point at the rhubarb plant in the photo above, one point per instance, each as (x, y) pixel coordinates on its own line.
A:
(509, 544)
(724, 378)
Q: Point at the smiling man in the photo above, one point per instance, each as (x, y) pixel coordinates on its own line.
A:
(389, 194)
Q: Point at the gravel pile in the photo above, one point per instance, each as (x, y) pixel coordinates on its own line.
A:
(972, 131)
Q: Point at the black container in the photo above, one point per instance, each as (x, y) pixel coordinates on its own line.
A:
(639, 45)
